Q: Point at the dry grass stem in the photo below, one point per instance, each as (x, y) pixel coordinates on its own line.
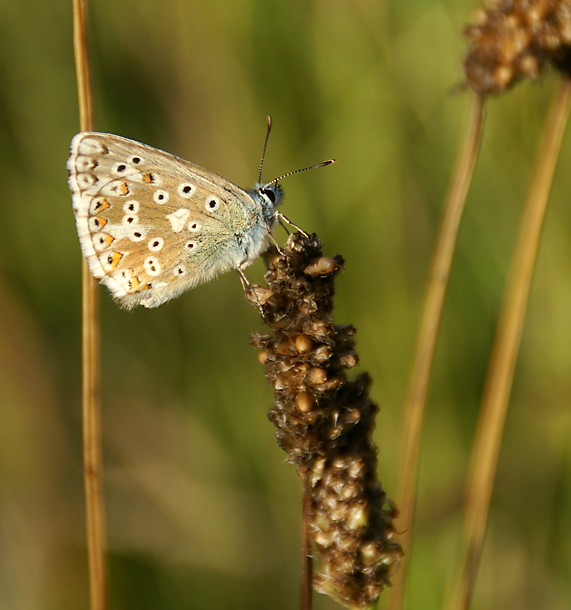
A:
(91, 408)
(426, 343)
(488, 437)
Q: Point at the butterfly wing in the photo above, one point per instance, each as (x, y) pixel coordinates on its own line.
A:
(152, 225)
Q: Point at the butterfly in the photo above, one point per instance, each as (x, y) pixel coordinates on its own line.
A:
(152, 225)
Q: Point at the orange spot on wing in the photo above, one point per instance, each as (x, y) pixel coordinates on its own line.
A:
(134, 283)
(101, 205)
(108, 239)
(113, 259)
(120, 189)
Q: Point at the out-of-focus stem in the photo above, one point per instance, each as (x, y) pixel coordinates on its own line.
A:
(488, 437)
(426, 343)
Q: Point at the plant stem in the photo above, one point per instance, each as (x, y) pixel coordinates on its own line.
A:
(485, 451)
(91, 408)
(426, 343)
(306, 559)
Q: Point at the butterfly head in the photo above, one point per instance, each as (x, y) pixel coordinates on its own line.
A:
(269, 196)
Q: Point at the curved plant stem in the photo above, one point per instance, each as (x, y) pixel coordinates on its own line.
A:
(92, 462)
(428, 333)
(486, 447)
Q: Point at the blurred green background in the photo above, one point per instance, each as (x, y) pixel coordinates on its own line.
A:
(202, 510)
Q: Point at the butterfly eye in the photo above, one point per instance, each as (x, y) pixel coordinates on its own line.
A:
(212, 204)
(270, 195)
(273, 193)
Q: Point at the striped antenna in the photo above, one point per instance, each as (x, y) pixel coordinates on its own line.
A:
(297, 171)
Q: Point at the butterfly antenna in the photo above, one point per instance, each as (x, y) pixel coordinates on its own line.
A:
(298, 171)
(268, 129)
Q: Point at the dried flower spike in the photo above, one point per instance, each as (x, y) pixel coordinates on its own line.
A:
(515, 39)
(325, 422)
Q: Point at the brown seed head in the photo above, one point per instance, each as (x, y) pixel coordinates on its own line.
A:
(517, 39)
(324, 421)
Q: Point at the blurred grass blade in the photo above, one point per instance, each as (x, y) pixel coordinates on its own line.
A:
(92, 462)
(485, 451)
(426, 342)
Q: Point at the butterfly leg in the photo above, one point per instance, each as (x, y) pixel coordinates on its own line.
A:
(283, 225)
(273, 240)
(246, 284)
(283, 219)
(248, 288)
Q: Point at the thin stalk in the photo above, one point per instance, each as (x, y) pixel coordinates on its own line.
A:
(428, 333)
(306, 559)
(485, 451)
(91, 408)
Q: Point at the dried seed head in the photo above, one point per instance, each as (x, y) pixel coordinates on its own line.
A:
(303, 344)
(325, 422)
(304, 401)
(517, 39)
(321, 266)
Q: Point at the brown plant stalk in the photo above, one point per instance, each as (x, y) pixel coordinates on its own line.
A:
(91, 408)
(485, 451)
(431, 316)
(306, 558)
